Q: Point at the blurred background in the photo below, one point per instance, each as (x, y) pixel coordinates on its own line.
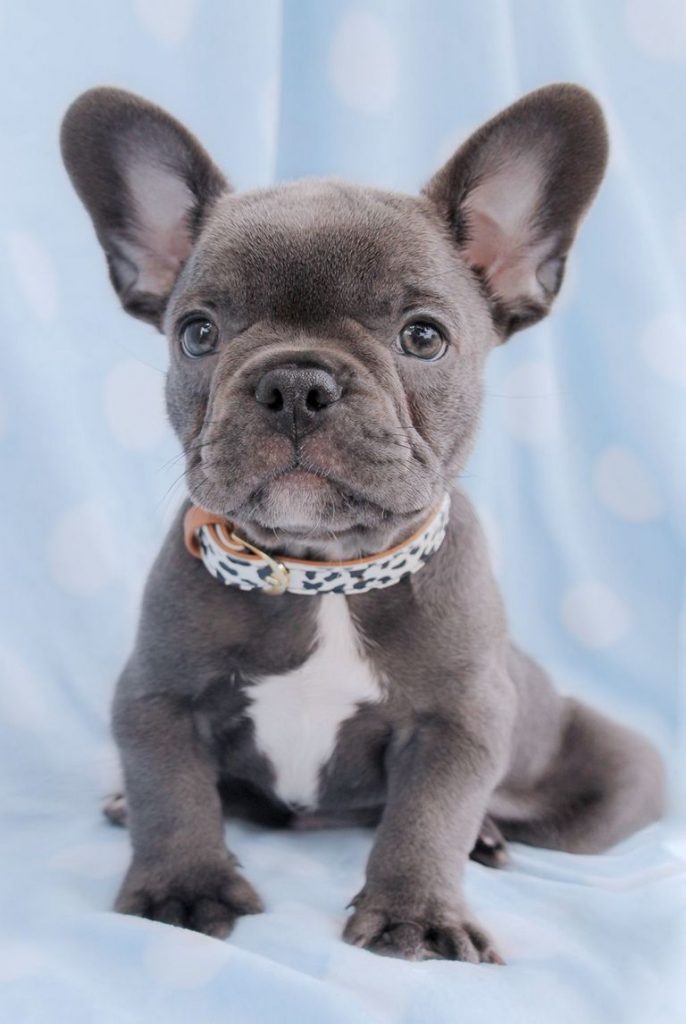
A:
(579, 472)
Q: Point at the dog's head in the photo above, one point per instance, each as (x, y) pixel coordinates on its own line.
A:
(327, 341)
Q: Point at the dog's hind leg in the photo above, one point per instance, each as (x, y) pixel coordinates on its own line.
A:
(603, 783)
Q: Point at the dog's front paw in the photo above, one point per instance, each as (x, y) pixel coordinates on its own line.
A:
(206, 897)
(426, 933)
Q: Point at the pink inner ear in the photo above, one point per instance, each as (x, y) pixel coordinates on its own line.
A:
(163, 239)
(501, 216)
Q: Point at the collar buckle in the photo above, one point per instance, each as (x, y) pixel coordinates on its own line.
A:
(277, 581)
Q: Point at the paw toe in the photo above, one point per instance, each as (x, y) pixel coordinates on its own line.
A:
(363, 927)
(170, 911)
(487, 953)
(405, 940)
(135, 902)
(240, 895)
(212, 917)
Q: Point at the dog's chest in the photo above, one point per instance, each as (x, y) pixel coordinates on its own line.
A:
(297, 715)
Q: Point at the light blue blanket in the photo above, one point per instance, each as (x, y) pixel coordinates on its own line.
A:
(579, 478)
(587, 939)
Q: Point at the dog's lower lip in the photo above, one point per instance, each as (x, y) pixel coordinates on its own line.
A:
(300, 472)
(302, 476)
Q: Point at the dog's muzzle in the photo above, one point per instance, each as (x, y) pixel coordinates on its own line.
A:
(236, 562)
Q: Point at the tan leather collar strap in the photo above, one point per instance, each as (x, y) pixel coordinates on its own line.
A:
(235, 561)
(194, 518)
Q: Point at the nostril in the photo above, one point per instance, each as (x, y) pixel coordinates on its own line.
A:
(275, 400)
(316, 400)
(269, 394)
(323, 392)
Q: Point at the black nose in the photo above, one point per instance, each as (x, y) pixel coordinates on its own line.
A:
(296, 396)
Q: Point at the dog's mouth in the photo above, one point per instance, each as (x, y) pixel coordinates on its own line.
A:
(312, 515)
(307, 511)
(307, 501)
(295, 499)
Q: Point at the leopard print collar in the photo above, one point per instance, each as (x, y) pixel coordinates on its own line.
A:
(235, 562)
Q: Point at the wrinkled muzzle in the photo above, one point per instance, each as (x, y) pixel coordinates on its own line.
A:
(310, 439)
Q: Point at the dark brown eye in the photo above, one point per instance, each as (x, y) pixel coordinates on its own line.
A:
(199, 338)
(422, 340)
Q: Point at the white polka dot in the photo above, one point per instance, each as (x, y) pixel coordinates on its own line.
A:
(35, 271)
(134, 405)
(531, 403)
(19, 960)
(24, 705)
(658, 27)
(184, 959)
(167, 21)
(663, 346)
(623, 486)
(594, 614)
(363, 63)
(82, 550)
(93, 860)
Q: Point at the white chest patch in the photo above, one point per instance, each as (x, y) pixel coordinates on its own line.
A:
(297, 715)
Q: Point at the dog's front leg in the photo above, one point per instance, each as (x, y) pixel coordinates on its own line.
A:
(181, 872)
(440, 776)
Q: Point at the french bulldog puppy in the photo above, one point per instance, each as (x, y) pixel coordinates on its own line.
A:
(327, 345)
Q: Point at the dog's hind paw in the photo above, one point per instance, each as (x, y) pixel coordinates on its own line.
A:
(490, 848)
(115, 809)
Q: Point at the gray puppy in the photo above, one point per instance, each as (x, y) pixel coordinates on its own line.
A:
(327, 345)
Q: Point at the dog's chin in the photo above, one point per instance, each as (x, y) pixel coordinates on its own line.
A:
(309, 505)
(299, 502)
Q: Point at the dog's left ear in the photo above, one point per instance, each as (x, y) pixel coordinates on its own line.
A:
(514, 193)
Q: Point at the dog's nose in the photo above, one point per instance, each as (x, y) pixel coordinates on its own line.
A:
(296, 396)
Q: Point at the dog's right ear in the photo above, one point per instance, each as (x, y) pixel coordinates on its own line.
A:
(147, 184)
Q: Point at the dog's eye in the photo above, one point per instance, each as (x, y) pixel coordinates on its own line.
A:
(199, 338)
(422, 340)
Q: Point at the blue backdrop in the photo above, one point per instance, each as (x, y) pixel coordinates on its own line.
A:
(579, 478)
